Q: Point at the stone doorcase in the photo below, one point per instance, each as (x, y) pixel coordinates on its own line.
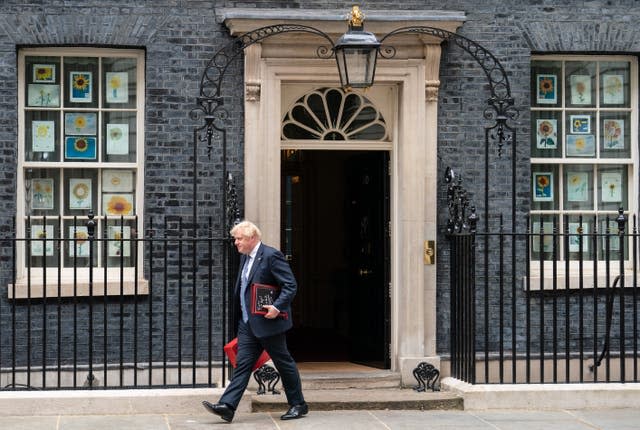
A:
(291, 58)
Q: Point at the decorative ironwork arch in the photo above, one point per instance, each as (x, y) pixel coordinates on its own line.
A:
(211, 106)
(501, 103)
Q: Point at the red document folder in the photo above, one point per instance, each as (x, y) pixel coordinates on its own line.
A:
(263, 294)
(231, 349)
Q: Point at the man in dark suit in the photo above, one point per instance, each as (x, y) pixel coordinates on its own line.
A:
(261, 264)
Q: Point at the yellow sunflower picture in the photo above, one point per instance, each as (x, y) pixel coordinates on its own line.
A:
(79, 245)
(43, 136)
(117, 84)
(543, 186)
(39, 246)
(119, 241)
(80, 123)
(80, 147)
(44, 73)
(80, 87)
(118, 204)
(546, 89)
(80, 193)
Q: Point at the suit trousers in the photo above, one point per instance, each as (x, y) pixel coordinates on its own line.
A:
(249, 349)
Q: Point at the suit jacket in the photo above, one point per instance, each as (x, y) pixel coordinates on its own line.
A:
(269, 267)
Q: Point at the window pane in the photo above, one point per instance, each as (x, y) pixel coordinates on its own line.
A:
(119, 82)
(612, 188)
(118, 191)
(76, 249)
(545, 84)
(42, 195)
(615, 135)
(42, 78)
(614, 84)
(80, 191)
(80, 136)
(42, 248)
(543, 242)
(80, 82)
(580, 83)
(120, 245)
(42, 136)
(546, 134)
(578, 187)
(544, 186)
(119, 137)
(580, 239)
(581, 134)
(608, 239)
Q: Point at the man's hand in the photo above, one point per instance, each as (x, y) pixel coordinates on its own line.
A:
(272, 312)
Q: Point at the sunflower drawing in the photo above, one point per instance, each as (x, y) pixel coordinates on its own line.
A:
(80, 82)
(81, 237)
(546, 86)
(543, 182)
(44, 74)
(42, 130)
(613, 86)
(115, 83)
(581, 89)
(612, 134)
(542, 186)
(115, 133)
(80, 122)
(118, 205)
(546, 134)
(81, 191)
(80, 145)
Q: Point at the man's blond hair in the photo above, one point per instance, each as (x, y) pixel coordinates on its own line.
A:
(246, 229)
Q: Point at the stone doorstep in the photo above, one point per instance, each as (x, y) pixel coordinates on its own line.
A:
(362, 399)
(331, 381)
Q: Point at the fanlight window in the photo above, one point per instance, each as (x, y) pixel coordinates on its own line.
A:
(333, 114)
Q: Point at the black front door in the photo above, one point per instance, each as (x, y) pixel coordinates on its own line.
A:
(368, 256)
(335, 217)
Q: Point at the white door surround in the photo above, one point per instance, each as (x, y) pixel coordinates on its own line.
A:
(290, 58)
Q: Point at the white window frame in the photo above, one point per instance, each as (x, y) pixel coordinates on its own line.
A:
(75, 281)
(589, 279)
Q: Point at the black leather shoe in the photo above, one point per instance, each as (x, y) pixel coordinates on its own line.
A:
(295, 412)
(224, 411)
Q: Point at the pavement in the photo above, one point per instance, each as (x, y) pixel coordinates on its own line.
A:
(604, 419)
(484, 407)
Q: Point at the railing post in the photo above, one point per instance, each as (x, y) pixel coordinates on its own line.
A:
(91, 230)
(461, 232)
(622, 221)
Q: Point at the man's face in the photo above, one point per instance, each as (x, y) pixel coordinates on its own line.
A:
(245, 244)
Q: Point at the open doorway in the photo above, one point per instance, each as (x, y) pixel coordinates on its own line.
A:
(335, 234)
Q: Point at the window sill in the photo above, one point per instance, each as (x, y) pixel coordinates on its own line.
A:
(33, 289)
(588, 281)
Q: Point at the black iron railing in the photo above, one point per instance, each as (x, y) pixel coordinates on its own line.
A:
(153, 314)
(570, 316)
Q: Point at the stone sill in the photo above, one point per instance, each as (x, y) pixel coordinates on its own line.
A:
(588, 281)
(66, 288)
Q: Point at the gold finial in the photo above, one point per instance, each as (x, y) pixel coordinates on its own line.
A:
(356, 17)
